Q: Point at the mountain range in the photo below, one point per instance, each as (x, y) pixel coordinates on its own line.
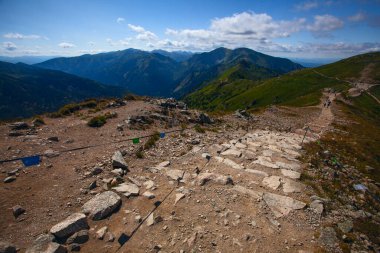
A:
(160, 73)
(28, 90)
(221, 79)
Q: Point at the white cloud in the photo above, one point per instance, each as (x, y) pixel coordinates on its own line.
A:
(324, 24)
(9, 46)
(120, 20)
(66, 45)
(357, 17)
(21, 36)
(246, 29)
(142, 33)
(308, 5)
(136, 28)
(122, 42)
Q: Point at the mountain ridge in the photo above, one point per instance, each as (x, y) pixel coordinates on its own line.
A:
(27, 90)
(154, 74)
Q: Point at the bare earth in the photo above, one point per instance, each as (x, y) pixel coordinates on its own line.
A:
(246, 198)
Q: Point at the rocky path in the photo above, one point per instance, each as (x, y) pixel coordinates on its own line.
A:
(241, 195)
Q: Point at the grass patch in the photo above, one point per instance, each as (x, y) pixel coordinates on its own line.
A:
(38, 121)
(97, 121)
(93, 104)
(100, 120)
(199, 129)
(151, 142)
(140, 153)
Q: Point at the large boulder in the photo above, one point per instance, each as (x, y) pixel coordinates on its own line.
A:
(74, 223)
(102, 205)
(118, 161)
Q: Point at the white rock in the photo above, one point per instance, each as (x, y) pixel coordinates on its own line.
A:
(74, 223)
(101, 205)
(240, 145)
(272, 182)
(291, 186)
(252, 193)
(232, 164)
(262, 160)
(118, 161)
(290, 166)
(175, 174)
(281, 205)
(149, 195)
(164, 164)
(101, 232)
(149, 184)
(257, 172)
(291, 174)
(206, 156)
(178, 197)
(128, 189)
(232, 152)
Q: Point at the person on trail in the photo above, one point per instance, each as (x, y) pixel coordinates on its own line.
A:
(328, 103)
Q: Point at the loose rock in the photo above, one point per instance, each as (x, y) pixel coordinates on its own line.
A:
(102, 205)
(74, 223)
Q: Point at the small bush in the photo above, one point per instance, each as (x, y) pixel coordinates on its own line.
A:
(130, 97)
(110, 115)
(152, 141)
(69, 109)
(139, 153)
(38, 121)
(199, 129)
(89, 103)
(97, 121)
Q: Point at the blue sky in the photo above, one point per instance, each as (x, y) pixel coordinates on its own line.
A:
(298, 29)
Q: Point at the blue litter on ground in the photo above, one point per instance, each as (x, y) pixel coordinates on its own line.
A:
(162, 135)
(31, 160)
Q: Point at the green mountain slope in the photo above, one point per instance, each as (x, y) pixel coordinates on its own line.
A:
(27, 90)
(299, 88)
(203, 68)
(231, 83)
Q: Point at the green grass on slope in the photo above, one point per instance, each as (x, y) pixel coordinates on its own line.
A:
(302, 88)
(232, 82)
(213, 96)
(366, 107)
(352, 67)
(375, 90)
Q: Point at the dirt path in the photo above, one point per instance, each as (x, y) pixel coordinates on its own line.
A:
(318, 126)
(357, 87)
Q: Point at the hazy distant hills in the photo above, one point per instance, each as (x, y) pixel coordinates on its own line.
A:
(179, 56)
(27, 90)
(161, 73)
